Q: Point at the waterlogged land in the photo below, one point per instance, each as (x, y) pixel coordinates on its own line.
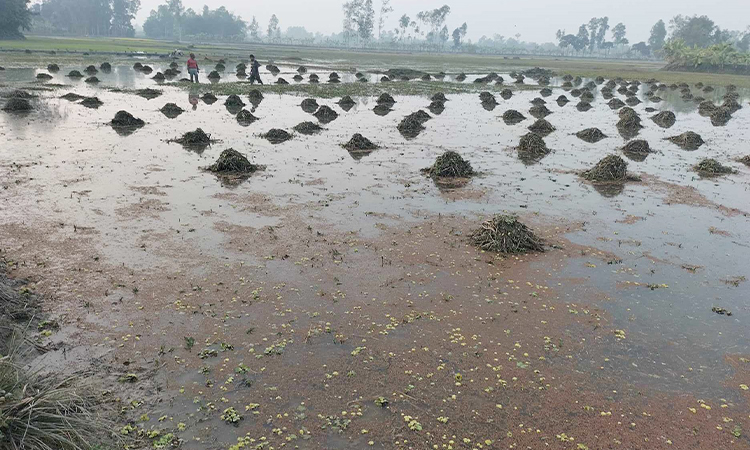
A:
(335, 300)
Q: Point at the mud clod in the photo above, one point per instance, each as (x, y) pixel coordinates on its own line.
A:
(506, 234)
(276, 136)
(688, 140)
(591, 135)
(664, 119)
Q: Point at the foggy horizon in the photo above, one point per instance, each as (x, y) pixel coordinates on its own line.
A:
(506, 20)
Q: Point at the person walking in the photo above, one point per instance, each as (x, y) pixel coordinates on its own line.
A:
(192, 67)
(254, 74)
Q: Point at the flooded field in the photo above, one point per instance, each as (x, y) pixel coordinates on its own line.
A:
(333, 299)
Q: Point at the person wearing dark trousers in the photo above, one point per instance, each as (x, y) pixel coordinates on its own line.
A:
(254, 74)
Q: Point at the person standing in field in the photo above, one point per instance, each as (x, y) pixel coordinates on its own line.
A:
(254, 74)
(192, 67)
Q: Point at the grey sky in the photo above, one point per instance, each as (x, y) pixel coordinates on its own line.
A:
(535, 20)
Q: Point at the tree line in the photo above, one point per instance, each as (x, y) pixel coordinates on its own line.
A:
(172, 21)
(85, 17)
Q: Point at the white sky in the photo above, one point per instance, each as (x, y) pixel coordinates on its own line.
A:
(535, 20)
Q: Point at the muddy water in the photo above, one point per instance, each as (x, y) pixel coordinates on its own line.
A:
(284, 252)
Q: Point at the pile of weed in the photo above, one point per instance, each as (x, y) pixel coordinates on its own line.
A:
(105, 66)
(506, 94)
(314, 78)
(53, 68)
(308, 128)
(385, 79)
(710, 167)
(137, 66)
(17, 104)
(562, 100)
(609, 169)
(506, 234)
(209, 98)
(301, 69)
(731, 105)
(639, 146)
(234, 101)
(245, 118)
(43, 76)
(197, 138)
(583, 106)
(532, 148)
(297, 78)
(720, 117)
(124, 119)
(591, 135)
(174, 65)
(281, 81)
(450, 165)
(159, 77)
(587, 96)
(439, 97)
(410, 126)
(538, 101)
(214, 75)
(599, 80)
(385, 99)
(629, 124)
(273, 69)
(75, 74)
(512, 117)
(91, 69)
(220, 67)
(539, 111)
(232, 162)
(382, 110)
(664, 119)
(148, 93)
(546, 92)
(436, 107)
(688, 140)
(632, 101)
(72, 97)
(426, 77)
(744, 160)
(542, 127)
(575, 92)
(346, 103)
(333, 76)
(421, 116)
(325, 114)
(241, 74)
(146, 69)
(706, 108)
(359, 143)
(171, 73)
(92, 102)
(255, 97)
(487, 97)
(241, 67)
(309, 105)
(276, 136)
(92, 80)
(461, 77)
(404, 72)
(567, 85)
(171, 110)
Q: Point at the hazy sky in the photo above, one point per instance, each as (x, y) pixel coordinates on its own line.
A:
(535, 20)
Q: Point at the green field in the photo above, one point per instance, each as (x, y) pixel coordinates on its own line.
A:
(72, 49)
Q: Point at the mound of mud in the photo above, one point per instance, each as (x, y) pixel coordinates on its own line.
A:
(506, 234)
(91, 69)
(16, 104)
(439, 97)
(273, 69)
(148, 93)
(53, 68)
(539, 111)
(512, 117)
(308, 128)
(105, 67)
(460, 77)
(720, 117)
(710, 167)
(333, 76)
(506, 94)
(732, 105)
(146, 69)
(92, 102)
(688, 140)
(575, 92)
(587, 96)
(664, 119)
(43, 76)
(562, 100)
(599, 80)
(583, 106)
(92, 80)
(240, 67)
(546, 92)
(538, 101)
(214, 75)
(325, 114)
(609, 169)
(591, 135)
(276, 136)
(450, 165)
(541, 127)
(209, 98)
(75, 74)
(382, 110)
(171, 110)
(124, 119)
(385, 99)
(410, 126)
(314, 78)
(197, 138)
(220, 67)
(487, 97)
(532, 148)
(72, 97)
(234, 101)
(436, 107)
(169, 73)
(255, 97)
(232, 162)
(359, 143)
(245, 118)
(301, 69)
(309, 105)
(346, 101)
(632, 101)
(137, 66)
(297, 78)
(637, 146)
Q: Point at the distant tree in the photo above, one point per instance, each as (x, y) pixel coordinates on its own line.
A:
(658, 35)
(385, 9)
(602, 33)
(695, 31)
(744, 42)
(458, 34)
(403, 24)
(254, 29)
(582, 38)
(273, 27)
(444, 35)
(359, 19)
(618, 34)
(14, 18)
(123, 13)
(297, 33)
(642, 48)
(435, 19)
(176, 8)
